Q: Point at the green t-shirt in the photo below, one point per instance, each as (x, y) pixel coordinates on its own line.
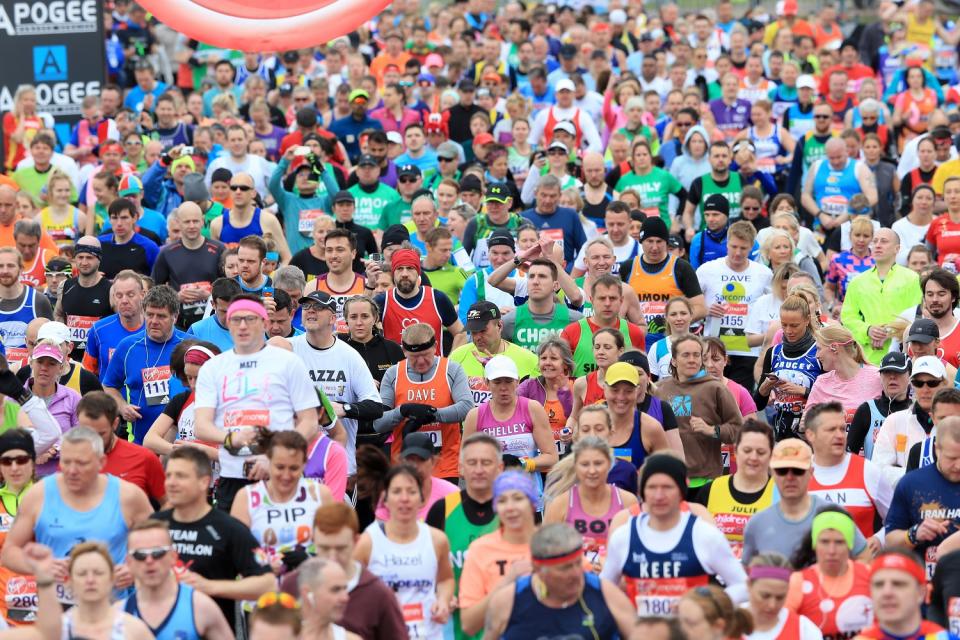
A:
(397, 212)
(33, 182)
(11, 411)
(371, 205)
(654, 190)
(449, 279)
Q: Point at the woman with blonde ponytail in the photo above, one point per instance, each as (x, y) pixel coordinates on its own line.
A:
(790, 368)
(849, 378)
(591, 502)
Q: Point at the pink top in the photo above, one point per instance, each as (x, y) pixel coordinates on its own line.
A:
(515, 434)
(743, 398)
(593, 529)
(850, 393)
(439, 489)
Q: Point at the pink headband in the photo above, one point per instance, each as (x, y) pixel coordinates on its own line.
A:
(247, 305)
(772, 573)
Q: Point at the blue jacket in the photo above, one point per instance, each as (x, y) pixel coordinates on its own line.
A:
(159, 191)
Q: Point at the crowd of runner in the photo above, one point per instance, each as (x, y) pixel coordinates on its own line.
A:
(490, 320)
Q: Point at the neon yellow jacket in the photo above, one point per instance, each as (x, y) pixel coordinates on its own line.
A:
(871, 302)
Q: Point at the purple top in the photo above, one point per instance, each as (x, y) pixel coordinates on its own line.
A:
(731, 119)
(63, 408)
(272, 142)
(531, 388)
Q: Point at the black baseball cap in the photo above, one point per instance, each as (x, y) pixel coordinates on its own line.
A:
(674, 241)
(408, 170)
(895, 361)
(568, 51)
(480, 314)
(367, 159)
(471, 183)
(285, 89)
(322, 298)
(497, 193)
(923, 330)
(418, 444)
(467, 85)
(343, 196)
(501, 238)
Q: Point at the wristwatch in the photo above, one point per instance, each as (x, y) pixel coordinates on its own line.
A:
(516, 261)
(912, 535)
(347, 408)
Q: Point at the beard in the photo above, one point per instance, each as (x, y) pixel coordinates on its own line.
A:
(406, 287)
(940, 312)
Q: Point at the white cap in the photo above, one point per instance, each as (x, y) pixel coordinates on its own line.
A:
(618, 16)
(56, 331)
(556, 144)
(806, 81)
(566, 126)
(500, 367)
(394, 137)
(565, 85)
(930, 365)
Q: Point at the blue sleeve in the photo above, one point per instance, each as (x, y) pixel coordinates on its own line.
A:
(898, 516)
(795, 174)
(330, 182)
(153, 185)
(694, 254)
(448, 315)
(275, 184)
(75, 135)
(93, 348)
(769, 186)
(579, 239)
(115, 378)
(82, 196)
(152, 251)
(468, 295)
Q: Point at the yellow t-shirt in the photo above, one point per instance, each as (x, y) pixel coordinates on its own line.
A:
(944, 171)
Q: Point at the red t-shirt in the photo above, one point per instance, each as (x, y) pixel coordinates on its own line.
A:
(137, 465)
(944, 235)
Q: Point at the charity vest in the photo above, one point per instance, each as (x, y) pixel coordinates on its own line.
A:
(396, 318)
(656, 581)
(18, 593)
(340, 297)
(436, 393)
(802, 370)
(583, 361)
(842, 617)
(552, 121)
(851, 493)
(731, 192)
(528, 334)
(653, 290)
(35, 275)
(64, 234)
(461, 532)
(833, 189)
(732, 516)
(813, 148)
(876, 421)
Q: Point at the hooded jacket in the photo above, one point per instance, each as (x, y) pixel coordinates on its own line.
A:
(685, 167)
(704, 397)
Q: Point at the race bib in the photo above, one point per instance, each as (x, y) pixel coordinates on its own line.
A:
(835, 205)
(21, 599)
(414, 619)
(307, 219)
(767, 165)
(16, 357)
(240, 418)
(659, 597)
(553, 234)
(479, 389)
(436, 436)
(194, 307)
(79, 326)
(156, 385)
(930, 561)
(953, 615)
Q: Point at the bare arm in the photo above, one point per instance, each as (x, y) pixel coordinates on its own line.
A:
(249, 588)
(868, 183)
(806, 198)
(498, 278)
(470, 424)
(204, 428)
(273, 227)
(210, 621)
(543, 436)
(21, 533)
(556, 510)
(624, 613)
(157, 436)
(699, 307)
(499, 609)
(136, 505)
(239, 508)
(630, 308)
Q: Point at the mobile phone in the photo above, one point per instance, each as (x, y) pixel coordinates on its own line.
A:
(186, 151)
(301, 151)
(772, 377)
(247, 468)
(267, 292)
(375, 257)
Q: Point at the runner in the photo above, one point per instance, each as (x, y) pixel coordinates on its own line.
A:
(126, 296)
(85, 299)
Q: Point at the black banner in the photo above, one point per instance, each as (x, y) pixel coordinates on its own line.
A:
(57, 46)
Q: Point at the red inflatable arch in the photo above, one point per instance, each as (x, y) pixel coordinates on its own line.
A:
(259, 25)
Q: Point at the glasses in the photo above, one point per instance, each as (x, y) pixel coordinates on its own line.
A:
(20, 461)
(133, 143)
(140, 555)
(822, 117)
(917, 384)
(301, 99)
(745, 208)
(680, 123)
(240, 187)
(315, 306)
(556, 152)
(273, 598)
(789, 472)
(447, 159)
(239, 320)
(406, 180)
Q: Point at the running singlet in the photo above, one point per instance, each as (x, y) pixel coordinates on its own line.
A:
(436, 393)
(802, 370)
(583, 360)
(732, 516)
(279, 527)
(13, 327)
(837, 617)
(340, 297)
(656, 581)
(396, 317)
(231, 235)
(63, 234)
(180, 623)
(851, 492)
(588, 618)
(515, 434)
(593, 529)
(528, 334)
(654, 289)
(18, 593)
(833, 189)
(411, 571)
(768, 148)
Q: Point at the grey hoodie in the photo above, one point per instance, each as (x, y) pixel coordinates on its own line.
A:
(685, 168)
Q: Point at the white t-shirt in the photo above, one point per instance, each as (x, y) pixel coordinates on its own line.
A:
(880, 490)
(622, 254)
(738, 290)
(257, 167)
(910, 236)
(764, 311)
(266, 388)
(340, 372)
(808, 630)
(807, 244)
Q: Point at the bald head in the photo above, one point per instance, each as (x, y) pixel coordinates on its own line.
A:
(8, 205)
(190, 217)
(33, 327)
(89, 241)
(890, 235)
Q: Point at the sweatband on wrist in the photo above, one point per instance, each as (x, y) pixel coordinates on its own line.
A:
(529, 465)
(840, 522)
(247, 305)
(770, 573)
(899, 563)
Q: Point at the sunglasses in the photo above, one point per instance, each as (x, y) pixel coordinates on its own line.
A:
(917, 384)
(822, 117)
(790, 472)
(680, 123)
(272, 598)
(447, 159)
(556, 152)
(406, 180)
(156, 553)
(240, 187)
(743, 208)
(20, 461)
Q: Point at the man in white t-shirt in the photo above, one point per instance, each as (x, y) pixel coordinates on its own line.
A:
(336, 369)
(730, 285)
(247, 389)
(238, 160)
